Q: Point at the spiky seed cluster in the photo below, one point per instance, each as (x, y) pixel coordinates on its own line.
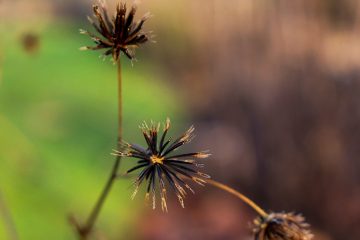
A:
(119, 33)
(159, 164)
(282, 226)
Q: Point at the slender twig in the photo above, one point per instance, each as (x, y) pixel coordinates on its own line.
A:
(85, 231)
(8, 221)
(245, 199)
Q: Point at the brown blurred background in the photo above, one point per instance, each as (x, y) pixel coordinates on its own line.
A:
(273, 88)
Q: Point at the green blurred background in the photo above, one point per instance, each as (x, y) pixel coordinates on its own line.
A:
(272, 87)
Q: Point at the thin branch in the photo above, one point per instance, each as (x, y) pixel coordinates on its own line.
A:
(85, 231)
(245, 199)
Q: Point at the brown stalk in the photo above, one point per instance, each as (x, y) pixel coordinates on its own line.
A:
(243, 198)
(85, 231)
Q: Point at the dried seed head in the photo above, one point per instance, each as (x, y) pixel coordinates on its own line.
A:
(118, 34)
(281, 226)
(30, 42)
(158, 165)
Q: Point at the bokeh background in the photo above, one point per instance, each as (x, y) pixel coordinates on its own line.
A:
(272, 87)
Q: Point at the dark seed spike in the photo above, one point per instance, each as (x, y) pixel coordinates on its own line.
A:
(142, 39)
(108, 52)
(170, 180)
(97, 28)
(183, 167)
(149, 172)
(139, 157)
(143, 174)
(173, 174)
(122, 21)
(154, 139)
(142, 161)
(173, 147)
(93, 47)
(137, 167)
(135, 153)
(153, 172)
(117, 21)
(180, 171)
(137, 28)
(129, 21)
(135, 41)
(148, 140)
(151, 181)
(104, 29)
(129, 54)
(158, 170)
(179, 161)
(184, 155)
(177, 143)
(163, 147)
(138, 148)
(107, 18)
(95, 38)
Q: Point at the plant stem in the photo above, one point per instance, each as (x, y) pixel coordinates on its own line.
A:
(8, 221)
(245, 199)
(86, 230)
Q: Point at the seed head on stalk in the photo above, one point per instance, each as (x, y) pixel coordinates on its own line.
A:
(161, 166)
(117, 34)
(282, 226)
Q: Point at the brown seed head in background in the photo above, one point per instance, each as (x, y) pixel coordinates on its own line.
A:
(119, 33)
(30, 42)
(282, 226)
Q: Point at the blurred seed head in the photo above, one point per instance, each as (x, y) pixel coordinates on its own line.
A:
(30, 42)
(160, 166)
(282, 226)
(119, 33)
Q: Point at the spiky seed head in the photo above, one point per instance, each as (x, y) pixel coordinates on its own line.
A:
(159, 164)
(281, 226)
(118, 34)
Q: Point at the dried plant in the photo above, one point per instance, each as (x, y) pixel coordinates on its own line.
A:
(159, 163)
(118, 34)
(273, 226)
(282, 226)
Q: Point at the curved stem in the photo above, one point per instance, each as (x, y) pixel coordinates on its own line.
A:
(88, 227)
(245, 199)
(120, 110)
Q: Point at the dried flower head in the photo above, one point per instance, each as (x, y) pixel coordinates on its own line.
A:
(160, 164)
(119, 33)
(282, 226)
